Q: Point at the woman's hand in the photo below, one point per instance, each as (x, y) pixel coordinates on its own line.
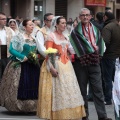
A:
(25, 59)
(54, 72)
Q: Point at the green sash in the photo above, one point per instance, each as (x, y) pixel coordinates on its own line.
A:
(81, 45)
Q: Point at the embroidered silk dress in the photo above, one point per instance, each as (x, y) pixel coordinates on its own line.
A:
(19, 85)
(59, 97)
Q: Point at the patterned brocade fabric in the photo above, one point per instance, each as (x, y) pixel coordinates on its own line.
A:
(9, 90)
(44, 94)
(71, 113)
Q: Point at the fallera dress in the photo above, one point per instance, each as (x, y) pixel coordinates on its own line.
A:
(19, 85)
(59, 97)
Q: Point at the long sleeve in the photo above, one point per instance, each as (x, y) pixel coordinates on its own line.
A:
(15, 53)
(40, 43)
(106, 34)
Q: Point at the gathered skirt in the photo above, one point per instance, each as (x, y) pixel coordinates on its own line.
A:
(59, 97)
(19, 87)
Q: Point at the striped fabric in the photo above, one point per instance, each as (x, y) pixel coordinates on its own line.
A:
(81, 45)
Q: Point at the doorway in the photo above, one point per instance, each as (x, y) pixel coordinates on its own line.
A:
(61, 8)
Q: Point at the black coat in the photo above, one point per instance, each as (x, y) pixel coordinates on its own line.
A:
(111, 36)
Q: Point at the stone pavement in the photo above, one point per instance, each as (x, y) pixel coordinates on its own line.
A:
(93, 114)
(6, 115)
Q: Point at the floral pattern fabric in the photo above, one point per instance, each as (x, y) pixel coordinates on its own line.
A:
(9, 90)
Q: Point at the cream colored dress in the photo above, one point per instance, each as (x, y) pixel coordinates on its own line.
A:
(59, 97)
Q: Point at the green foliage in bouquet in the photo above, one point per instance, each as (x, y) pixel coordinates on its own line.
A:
(32, 58)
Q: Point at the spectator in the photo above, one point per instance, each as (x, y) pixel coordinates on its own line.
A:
(100, 21)
(70, 21)
(111, 35)
(17, 20)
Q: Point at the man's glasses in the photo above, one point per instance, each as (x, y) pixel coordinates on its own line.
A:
(49, 20)
(3, 19)
(83, 15)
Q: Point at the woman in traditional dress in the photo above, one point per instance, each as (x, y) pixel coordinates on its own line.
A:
(59, 92)
(19, 86)
(13, 25)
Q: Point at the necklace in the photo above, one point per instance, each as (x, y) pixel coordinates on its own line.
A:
(61, 35)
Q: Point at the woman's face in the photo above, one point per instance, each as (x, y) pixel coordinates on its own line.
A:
(12, 25)
(29, 27)
(62, 25)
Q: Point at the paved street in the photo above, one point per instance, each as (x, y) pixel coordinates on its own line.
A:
(5, 115)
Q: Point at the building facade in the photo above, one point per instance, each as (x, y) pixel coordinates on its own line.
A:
(67, 8)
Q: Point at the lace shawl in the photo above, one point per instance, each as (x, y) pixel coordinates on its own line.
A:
(18, 42)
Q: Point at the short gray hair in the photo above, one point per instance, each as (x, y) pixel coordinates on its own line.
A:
(83, 9)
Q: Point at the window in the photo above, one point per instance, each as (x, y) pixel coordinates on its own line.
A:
(38, 9)
(61, 8)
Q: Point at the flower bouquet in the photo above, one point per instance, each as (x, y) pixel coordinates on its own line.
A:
(51, 52)
(32, 58)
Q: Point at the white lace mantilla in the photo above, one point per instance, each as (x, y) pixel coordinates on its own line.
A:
(18, 42)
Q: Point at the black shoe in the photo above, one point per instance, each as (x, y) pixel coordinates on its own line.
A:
(108, 103)
(105, 118)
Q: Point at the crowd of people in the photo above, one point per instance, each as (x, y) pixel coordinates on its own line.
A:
(54, 85)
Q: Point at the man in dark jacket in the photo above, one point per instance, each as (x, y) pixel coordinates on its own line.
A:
(111, 36)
